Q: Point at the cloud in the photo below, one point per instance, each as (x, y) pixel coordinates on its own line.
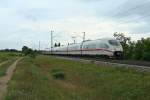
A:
(134, 12)
(90, 0)
(28, 21)
(134, 8)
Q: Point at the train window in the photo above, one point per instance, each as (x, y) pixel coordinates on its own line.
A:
(85, 46)
(92, 46)
(114, 42)
(76, 48)
(103, 46)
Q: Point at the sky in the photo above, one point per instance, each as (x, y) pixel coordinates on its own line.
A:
(26, 22)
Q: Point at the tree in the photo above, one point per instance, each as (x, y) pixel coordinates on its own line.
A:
(139, 50)
(28, 51)
(142, 49)
(122, 38)
(55, 45)
(59, 44)
(126, 43)
(25, 50)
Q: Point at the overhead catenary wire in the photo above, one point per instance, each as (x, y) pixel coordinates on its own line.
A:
(139, 18)
(134, 8)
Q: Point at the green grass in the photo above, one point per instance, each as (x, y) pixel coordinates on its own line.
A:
(33, 80)
(8, 55)
(10, 58)
(4, 67)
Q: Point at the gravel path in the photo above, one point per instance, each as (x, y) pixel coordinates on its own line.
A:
(5, 79)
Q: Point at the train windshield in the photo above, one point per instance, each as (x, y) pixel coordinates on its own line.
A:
(114, 42)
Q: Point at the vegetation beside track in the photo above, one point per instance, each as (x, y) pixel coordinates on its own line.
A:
(135, 50)
(34, 80)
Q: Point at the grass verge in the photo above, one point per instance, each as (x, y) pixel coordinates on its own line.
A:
(4, 67)
(4, 56)
(33, 80)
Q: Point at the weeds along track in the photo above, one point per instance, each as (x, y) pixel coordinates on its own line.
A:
(128, 62)
(110, 62)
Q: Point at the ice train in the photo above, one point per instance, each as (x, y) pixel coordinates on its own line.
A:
(106, 47)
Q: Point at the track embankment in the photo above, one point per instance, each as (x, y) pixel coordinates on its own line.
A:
(110, 63)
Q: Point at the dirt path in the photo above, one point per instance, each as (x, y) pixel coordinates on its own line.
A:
(5, 79)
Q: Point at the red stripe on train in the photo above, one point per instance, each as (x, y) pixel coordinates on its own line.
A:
(87, 50)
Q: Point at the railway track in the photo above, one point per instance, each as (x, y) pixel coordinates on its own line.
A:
(128, 62)
(109, 62)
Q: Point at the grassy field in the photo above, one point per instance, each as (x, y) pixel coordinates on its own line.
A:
(4, 67)
(49, 78)
(7, 56)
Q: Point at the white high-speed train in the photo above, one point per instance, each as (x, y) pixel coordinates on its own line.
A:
(102, 47)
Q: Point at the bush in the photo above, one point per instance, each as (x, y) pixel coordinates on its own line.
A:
(146, 56)
(32, 54)
(58, 74)
(29, 52)
(137, 56)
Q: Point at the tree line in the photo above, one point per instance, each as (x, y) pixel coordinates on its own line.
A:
(136, 50)
(29, 52)
(9, 50)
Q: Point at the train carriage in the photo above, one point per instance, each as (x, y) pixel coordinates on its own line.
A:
(102, 47)
(74, 49)
(97, 47)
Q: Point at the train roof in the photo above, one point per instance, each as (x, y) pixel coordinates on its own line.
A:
(107, 39)
(87, 41)
(74, 43)
(100, 40)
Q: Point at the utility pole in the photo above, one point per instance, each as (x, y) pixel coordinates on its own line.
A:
(34, 47)
(39, 45)
(83, 36)
(52, 41)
